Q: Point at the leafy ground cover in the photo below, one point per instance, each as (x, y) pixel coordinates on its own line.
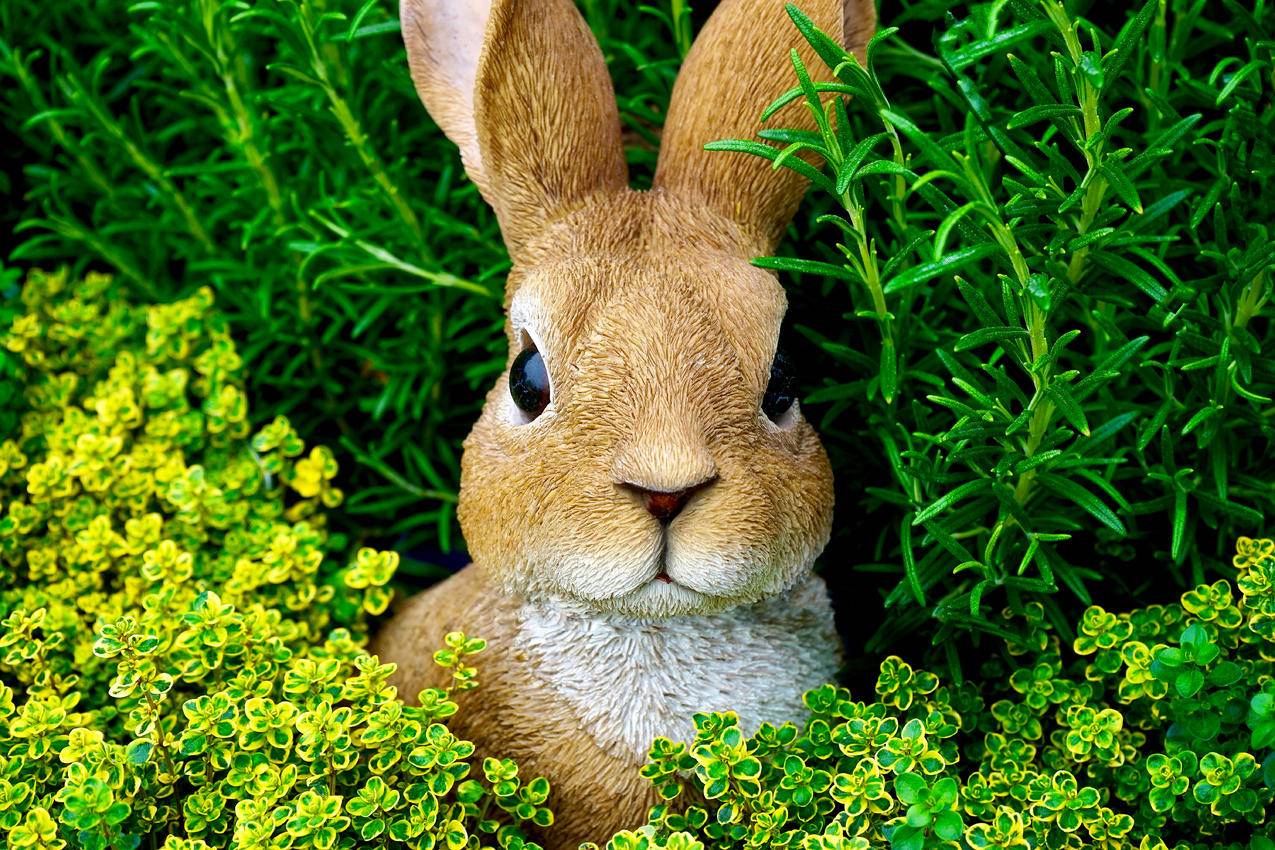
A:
(181, 661)
(1150, 730)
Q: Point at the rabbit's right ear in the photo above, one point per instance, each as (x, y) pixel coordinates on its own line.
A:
(522, 88)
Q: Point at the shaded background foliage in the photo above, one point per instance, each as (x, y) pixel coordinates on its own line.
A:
(1060, 266)
(277, 153)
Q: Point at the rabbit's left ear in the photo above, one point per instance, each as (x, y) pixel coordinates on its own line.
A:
(522, 88)
(737, 67)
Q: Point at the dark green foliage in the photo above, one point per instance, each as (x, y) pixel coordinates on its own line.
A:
(277, 152)
(1052, 242)
(9, 387)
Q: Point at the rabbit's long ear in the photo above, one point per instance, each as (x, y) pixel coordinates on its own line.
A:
(522, 88)
(736, 68)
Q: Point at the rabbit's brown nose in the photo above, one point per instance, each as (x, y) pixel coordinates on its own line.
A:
(665, 505)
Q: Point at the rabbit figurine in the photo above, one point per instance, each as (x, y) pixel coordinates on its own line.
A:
(641, 495)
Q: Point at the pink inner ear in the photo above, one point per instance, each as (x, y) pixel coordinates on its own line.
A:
(454, 33)
(444, 41)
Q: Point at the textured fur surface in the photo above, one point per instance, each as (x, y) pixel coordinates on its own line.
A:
(658, 355)
(578, 698)
(630, 680)
(658, 336)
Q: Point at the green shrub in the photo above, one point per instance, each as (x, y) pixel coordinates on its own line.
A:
(278, 153)
(1054, 241)
(179, 661)
(1154, 729)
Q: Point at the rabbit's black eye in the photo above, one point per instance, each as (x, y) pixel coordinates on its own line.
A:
(529, 382)
(781, 392)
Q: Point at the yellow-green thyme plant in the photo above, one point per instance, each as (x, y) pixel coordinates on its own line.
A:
(180, 666)
(1154, 729)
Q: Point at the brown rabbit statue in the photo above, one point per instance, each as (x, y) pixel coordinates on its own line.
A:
(641, 496)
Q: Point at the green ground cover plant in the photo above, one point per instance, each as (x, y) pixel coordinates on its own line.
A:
(1154, 728)
(181, 662)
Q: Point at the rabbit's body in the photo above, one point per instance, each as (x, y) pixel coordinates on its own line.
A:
(641, 496)
(514, 713)
(580, 698)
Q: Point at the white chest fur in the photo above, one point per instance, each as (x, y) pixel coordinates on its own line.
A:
(629, 680)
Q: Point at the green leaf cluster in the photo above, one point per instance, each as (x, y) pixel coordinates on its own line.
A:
(1153, 729)
(277, 152)
(1037, 263)
(1048, 229)
(181, 662)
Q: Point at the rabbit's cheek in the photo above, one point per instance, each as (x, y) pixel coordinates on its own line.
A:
(741, 561)
(766, 525)
(599, 570)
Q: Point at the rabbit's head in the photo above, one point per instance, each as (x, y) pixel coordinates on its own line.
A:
(642, 452)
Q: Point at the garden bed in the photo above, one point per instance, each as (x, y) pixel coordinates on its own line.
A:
(1032, 286)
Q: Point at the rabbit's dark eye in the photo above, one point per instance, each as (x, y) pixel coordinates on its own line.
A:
(529, 382)
(781, 392)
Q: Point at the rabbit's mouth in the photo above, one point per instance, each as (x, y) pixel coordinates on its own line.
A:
(661, 596)
(670, 587)
(662, 561)
(669, 570)
(663, 591)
